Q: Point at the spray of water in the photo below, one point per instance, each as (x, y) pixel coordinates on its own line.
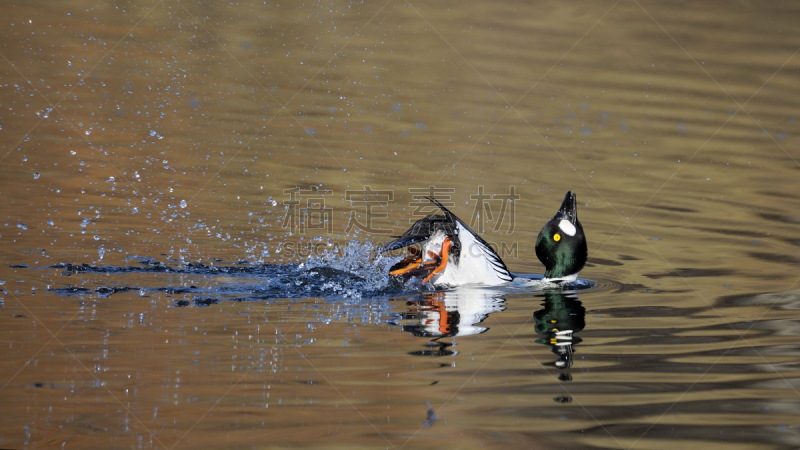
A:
(369, 270)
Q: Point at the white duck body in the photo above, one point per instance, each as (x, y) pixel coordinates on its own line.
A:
(477, 263)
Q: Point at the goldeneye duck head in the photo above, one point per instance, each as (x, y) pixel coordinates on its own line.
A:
(561, 245)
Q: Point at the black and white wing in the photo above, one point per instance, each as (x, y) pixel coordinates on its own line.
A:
(421, 231)
(470, 239)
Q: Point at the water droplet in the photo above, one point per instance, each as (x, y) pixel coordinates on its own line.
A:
(36, 176)
(183, 203)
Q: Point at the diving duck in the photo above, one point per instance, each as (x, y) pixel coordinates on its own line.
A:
(452, 254)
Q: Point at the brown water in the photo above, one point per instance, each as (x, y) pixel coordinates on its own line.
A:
(182, 131)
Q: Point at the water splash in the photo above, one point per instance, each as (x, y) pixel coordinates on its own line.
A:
(360, 261)
(353, 271)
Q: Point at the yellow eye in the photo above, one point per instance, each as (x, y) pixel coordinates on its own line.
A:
(556, 237)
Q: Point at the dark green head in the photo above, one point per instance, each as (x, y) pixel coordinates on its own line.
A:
(561, 245)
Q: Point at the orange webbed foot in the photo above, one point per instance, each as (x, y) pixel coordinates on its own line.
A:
(442, 260)
(405, 266)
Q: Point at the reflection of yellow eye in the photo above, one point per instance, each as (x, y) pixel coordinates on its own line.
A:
(556, 237)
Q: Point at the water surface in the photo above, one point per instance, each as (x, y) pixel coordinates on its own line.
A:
(167, 169)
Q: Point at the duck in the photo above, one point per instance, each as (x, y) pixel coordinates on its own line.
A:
(451, 254)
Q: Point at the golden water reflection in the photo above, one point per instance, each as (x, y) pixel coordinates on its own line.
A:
(154, 134)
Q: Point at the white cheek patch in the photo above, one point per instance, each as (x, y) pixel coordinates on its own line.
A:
(567, 227)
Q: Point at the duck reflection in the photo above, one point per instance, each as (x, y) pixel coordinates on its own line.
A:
(461, 312)
(563, 316)
(443, 314)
